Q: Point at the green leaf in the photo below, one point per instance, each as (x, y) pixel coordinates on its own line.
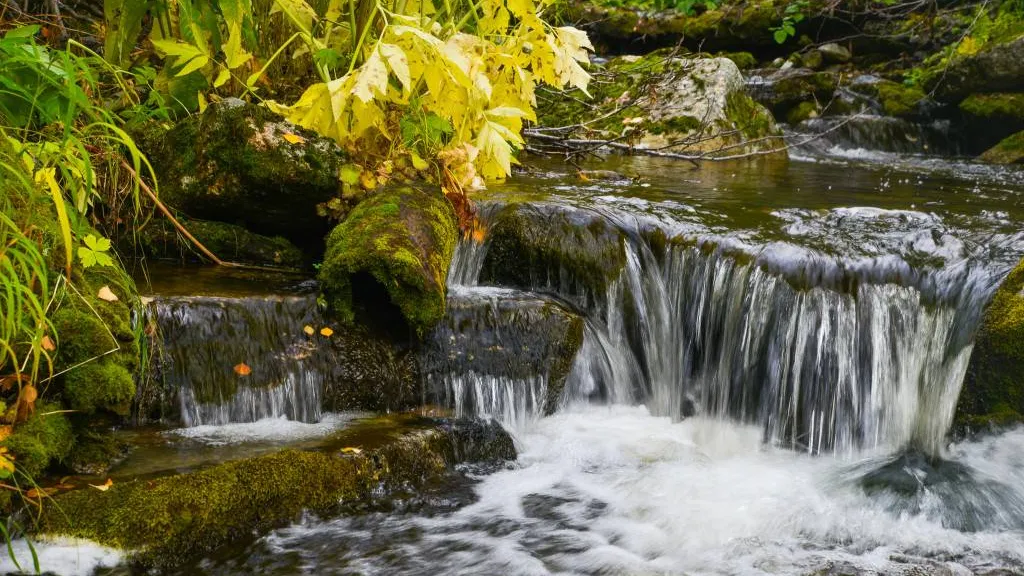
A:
(780, 36)
(349, 174)
(123, 24)
(23, 32)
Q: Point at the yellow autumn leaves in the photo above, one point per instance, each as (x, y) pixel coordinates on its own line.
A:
(483, 83)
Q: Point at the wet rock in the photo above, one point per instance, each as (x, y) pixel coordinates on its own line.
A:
(993, 388)
(168, 521)
(803, 111)
(552, 249)
(686, 105)
(506, 335)
(782, 90)
(834, 53)
(1008, 151)
(388, 261)
(988, 118)
(233, 164)
(160, 239)
(997, 68)
(370, 373)
(813, 59)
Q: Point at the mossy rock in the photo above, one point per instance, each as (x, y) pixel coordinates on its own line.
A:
(169, 521)
(100, 385)
(688, 105)
(233, 164)
(1008, 151)
(546, 248)
(900, 100)
(997, 67)
(44, 438)
(993, 388)
(399, 244)
(802, 111)
(995, 107)
(788, 88)
(160, 239)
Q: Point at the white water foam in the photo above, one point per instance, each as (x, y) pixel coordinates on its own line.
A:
(614, 490)
(60, 556)
(277, 429)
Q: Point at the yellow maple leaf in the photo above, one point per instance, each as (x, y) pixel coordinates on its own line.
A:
(294, 138)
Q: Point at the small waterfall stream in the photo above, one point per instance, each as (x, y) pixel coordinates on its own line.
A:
(206, 337)
(823, 355)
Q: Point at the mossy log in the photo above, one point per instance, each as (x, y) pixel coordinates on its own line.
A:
(399, 244)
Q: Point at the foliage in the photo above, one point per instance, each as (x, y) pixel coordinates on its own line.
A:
(456, 83)
(793, 15)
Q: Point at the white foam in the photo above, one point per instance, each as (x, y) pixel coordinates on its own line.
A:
(278, 429)
(62, 556)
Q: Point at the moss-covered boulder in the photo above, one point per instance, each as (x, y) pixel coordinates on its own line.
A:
(168, 521)
(505, 335)
(575, 254)
(1008, 151)
(45, 438)
(784, 90)
(998, 67)
(392, 252)
(160, 239)
(993, 388)
(233, 164)
(693, 106)
(1002, 108)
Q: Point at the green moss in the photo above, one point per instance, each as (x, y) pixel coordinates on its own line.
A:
(404, 238)
(753, 120)
(229, 242)
(996, 107)
(99, 385)
(898, 99)
(43, 439)
(1008, 151)
(800, 87)
(993, 390)
(81, 336)
(165, 521)
(677, 125)
(742, 60)
(801, 112)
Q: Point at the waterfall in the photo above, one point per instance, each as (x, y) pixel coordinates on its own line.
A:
(206, 337)
(822, 354)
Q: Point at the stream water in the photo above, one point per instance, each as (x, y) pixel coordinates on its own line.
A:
(770, 393)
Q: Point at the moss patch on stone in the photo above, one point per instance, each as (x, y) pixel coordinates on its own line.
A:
(1008, 151)
(44, 438)
(993, 389)
(898, 99)
(995, 106)
(802, 111)
(403, 238)
(100, 385)
(166, 521)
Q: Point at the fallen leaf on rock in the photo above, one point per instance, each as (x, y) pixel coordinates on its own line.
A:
(351, 450)
(325, 331)
(242, 369)
(5, 431)
(294, 138)
(309, 330)
(107, 294)
(103, 487)
(47, 344)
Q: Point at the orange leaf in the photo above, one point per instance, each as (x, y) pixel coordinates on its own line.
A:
(48, 344)
(351, 450)
(325, 331)
(107, 294)
(5, 431)
(103, 487)
(26, 403)
(294, 138)
(242, 369)
(309, 330)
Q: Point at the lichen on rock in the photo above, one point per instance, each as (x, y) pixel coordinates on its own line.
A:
(397, 244)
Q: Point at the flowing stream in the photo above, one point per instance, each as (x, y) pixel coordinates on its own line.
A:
(765, 384)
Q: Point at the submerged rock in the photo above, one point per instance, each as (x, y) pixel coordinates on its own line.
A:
(1008, 151)
(550, 249)
(696, 106)
(233, 164)
(785, 89)
(392, 253)
(993, 388)
(168, 521)
(229, 242)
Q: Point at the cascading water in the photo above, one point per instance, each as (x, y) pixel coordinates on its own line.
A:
(822, 354)
(206, 337)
